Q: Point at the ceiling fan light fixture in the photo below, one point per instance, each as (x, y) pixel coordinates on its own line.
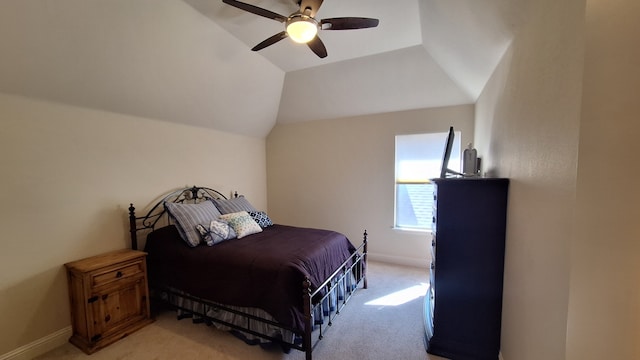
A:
(302, 28)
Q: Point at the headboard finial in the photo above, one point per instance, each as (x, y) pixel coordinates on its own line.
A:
(132, 227)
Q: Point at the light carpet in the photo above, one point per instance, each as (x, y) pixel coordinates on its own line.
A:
(382, 322)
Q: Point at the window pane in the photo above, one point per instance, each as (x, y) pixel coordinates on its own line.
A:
(414, 205)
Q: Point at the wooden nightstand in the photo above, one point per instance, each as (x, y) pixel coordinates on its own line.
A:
(109, 298)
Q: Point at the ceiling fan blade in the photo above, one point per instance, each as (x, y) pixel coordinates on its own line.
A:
(312, 5)
(256, 10)
(348, 23)
(270, 41)
(318, 47)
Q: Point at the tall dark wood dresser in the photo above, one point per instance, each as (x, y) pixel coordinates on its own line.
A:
(463, 308)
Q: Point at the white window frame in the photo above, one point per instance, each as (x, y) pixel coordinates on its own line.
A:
(418, 158)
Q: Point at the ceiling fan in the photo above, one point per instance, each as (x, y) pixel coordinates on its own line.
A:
(302, 26)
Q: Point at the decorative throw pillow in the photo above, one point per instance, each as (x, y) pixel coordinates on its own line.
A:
(242, 223)
(216, 232)
(261, 218)
(222, 229)
(228, 206)
(188, 216)
(207, 237)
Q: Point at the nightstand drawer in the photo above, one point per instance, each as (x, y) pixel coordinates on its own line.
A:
(116, 273)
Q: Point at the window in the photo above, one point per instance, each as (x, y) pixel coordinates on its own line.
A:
(418, 159)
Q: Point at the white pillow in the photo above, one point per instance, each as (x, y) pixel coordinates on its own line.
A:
(242, 223)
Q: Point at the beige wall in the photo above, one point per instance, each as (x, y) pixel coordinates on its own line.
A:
(527, 126)
(572, 270)
(604, 297)
(339, 174)
(68, 176)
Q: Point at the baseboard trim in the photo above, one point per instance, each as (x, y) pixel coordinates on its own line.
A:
(39, 346)
(398, 260)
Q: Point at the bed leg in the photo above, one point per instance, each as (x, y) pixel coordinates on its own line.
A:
(364, 260)
(132, 227)
(308, 319)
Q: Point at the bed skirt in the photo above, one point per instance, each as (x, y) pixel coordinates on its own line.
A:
(253, 325)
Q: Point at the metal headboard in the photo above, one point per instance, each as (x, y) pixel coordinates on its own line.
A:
(148, 222)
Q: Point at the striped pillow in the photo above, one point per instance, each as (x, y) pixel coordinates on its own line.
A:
(228, 206)
(188, 216)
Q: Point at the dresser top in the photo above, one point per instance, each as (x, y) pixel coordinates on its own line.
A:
(469, 179)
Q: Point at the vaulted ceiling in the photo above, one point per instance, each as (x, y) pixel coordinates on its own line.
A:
(189, 61)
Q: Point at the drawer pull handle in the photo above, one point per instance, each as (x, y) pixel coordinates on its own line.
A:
(119, 274)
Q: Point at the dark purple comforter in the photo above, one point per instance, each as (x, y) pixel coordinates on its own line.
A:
(263, 270)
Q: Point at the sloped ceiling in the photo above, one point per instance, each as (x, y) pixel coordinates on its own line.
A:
(190, 61)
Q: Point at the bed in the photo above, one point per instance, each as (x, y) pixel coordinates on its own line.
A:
(220, 261)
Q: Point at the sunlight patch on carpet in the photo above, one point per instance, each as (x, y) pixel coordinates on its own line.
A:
(401, 297)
